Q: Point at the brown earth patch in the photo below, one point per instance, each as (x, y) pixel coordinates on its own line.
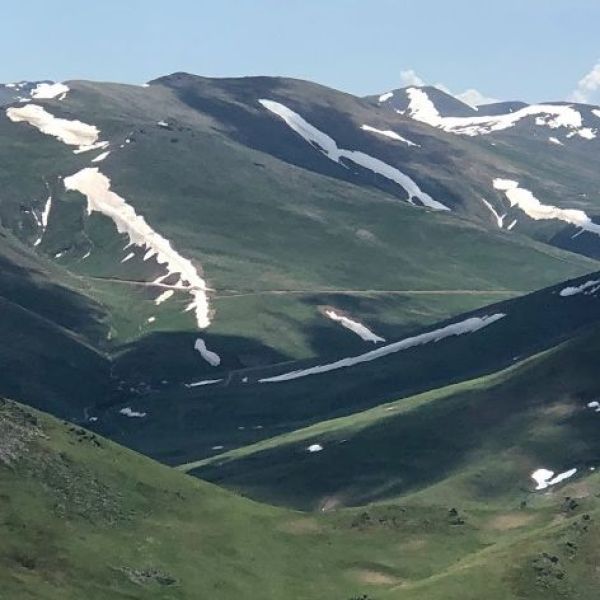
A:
(374, 577)
(301, 526)
(560, 410)
(509, 521)
(413, 545)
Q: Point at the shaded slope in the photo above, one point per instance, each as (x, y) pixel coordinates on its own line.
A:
(184, 424)
(477, 441)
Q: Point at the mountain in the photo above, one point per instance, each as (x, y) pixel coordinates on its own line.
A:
(382, 311)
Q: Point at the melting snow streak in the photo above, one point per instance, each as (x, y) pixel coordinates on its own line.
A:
(96, 188)
(537, 211)
(361, 330)
(388, 133)
(328, 146)
(467, 326)
(72, 133)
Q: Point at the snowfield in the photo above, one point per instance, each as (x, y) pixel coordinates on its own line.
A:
(96, 188)
(537, 211)
(361, 330)
(554, 116)
(469, 325)
(328, 146)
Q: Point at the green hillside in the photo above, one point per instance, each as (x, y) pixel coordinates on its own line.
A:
(82, 517)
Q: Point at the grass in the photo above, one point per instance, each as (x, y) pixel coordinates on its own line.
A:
(81, 516)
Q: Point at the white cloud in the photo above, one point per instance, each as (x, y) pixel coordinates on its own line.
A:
(472, 97)
(409, 77)
(588, 87)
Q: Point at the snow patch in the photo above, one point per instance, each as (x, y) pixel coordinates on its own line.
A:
(95, 186)
(72, 133)
(386, 96)
(361, 330)
(203, 382)
(212, 358)
(162, 124)
(315, 448)
(390, 134)
(101, 157)
(163, 297)
(47, 91)
(594, 405)
(556, 141)
(554, 116)
(128, 412)
(469, 325)
(328, 146)
(537, 211)
(592, 285)
(544, 478)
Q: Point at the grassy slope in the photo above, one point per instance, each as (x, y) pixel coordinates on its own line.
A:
(82, 517)
(263, 224)
(473, 442)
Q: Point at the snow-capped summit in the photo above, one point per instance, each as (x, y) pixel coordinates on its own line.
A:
(435, 107)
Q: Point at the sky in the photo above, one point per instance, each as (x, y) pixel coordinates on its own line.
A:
(533, 50)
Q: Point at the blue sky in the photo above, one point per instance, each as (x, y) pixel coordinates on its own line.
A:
(529, 49)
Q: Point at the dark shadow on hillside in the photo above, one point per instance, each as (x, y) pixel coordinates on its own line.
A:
(183, 429)
(29, 288)
(406, 453)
